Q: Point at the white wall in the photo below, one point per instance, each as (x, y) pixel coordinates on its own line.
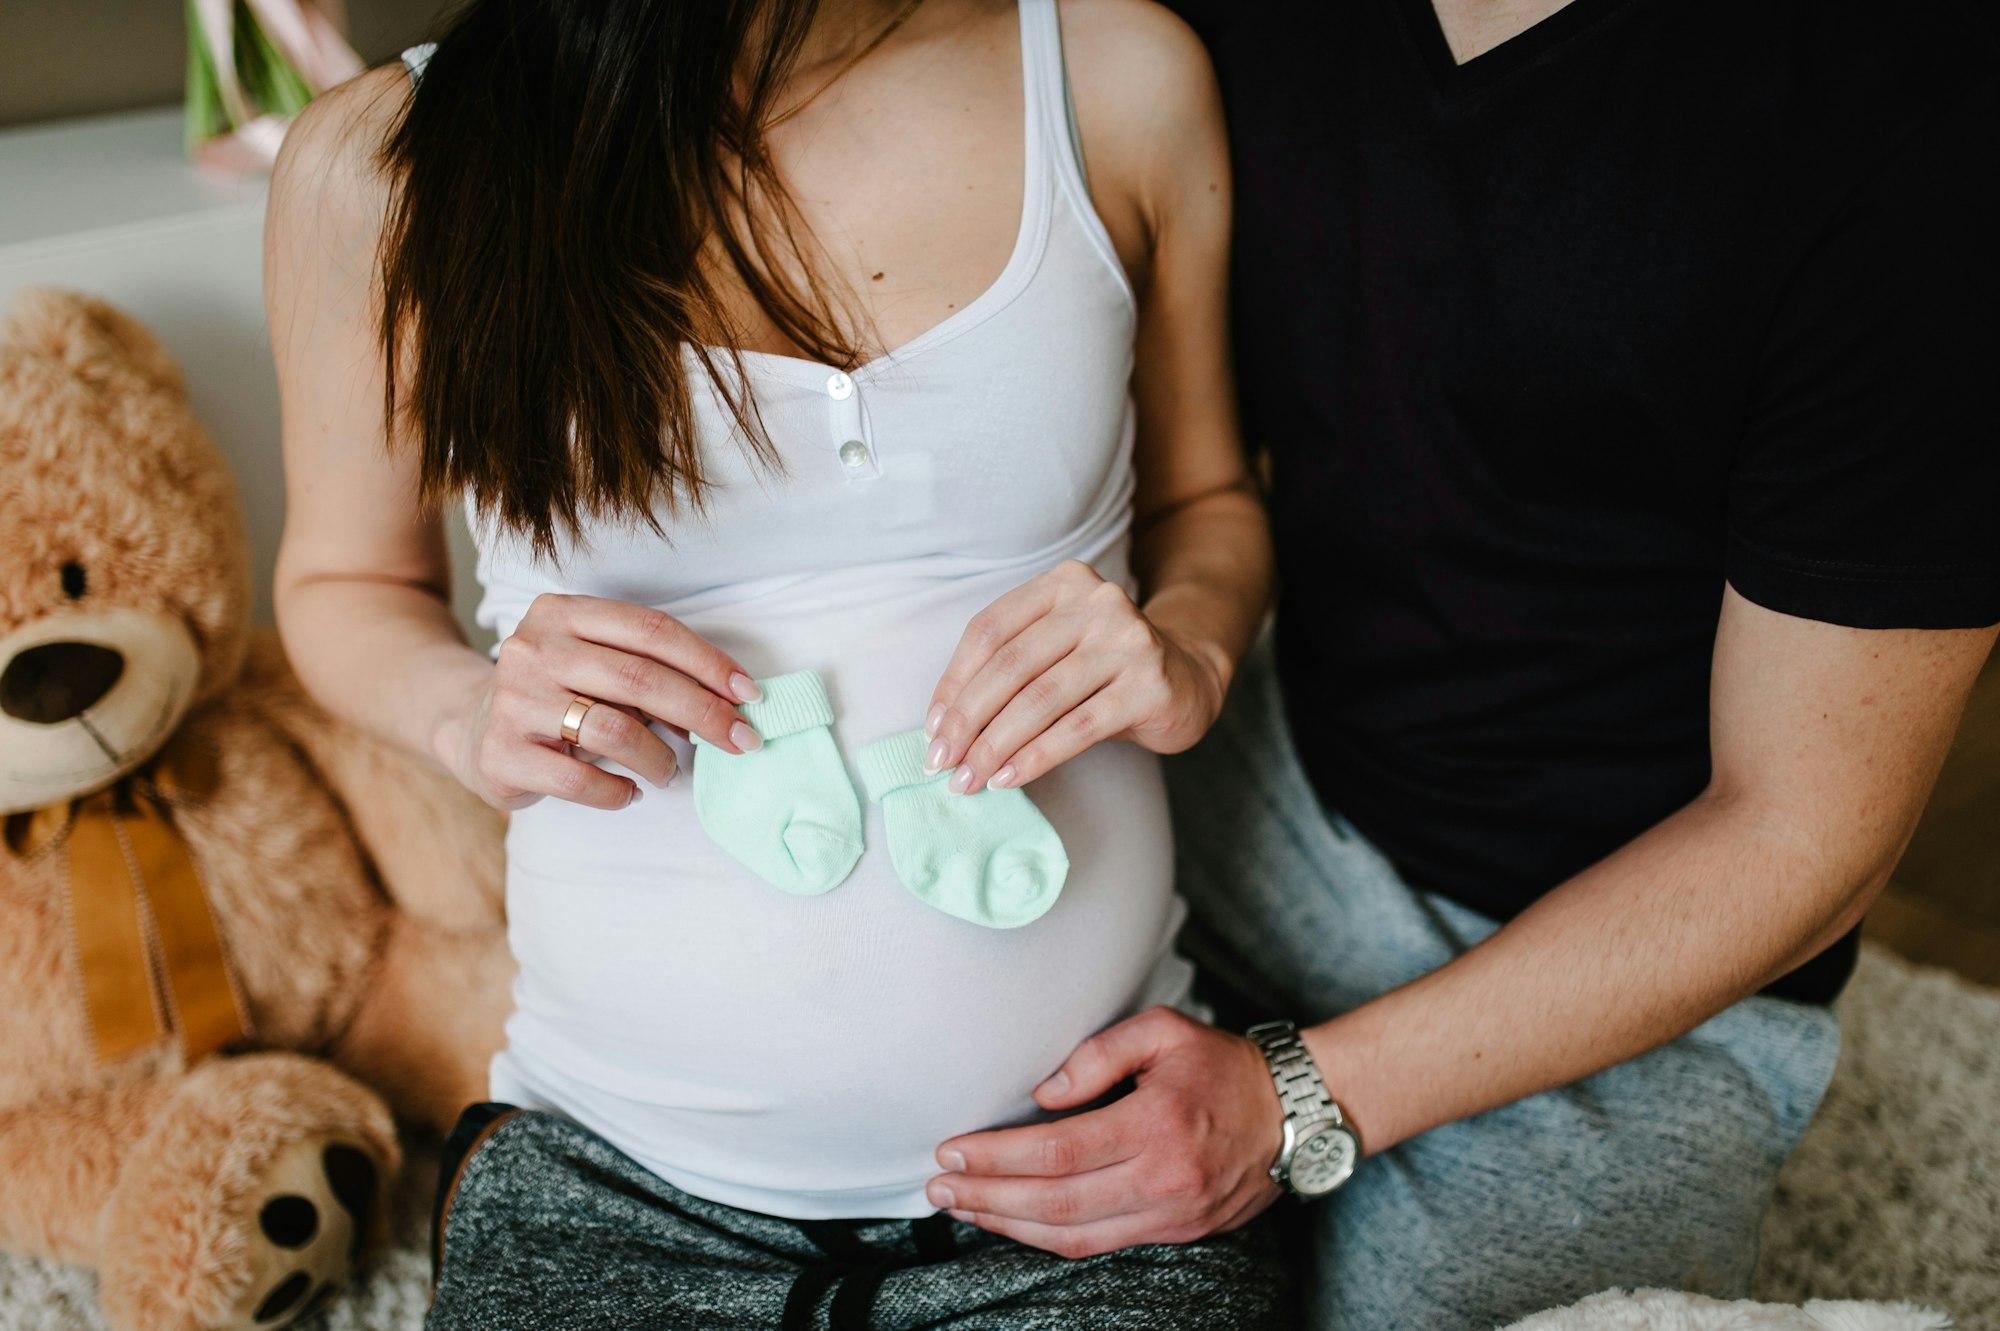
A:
(110, 207)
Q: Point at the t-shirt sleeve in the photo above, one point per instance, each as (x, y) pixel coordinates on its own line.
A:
(1866, 489)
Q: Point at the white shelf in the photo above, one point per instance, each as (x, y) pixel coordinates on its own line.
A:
(109, 205)
(79, 179)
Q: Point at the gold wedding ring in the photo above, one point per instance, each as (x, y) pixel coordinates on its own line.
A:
(572, 722)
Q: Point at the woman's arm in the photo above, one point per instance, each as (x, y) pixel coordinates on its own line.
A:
(1068, 660)
(362, 582)
(361, 589)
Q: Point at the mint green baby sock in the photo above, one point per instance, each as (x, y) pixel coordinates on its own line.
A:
(786, 811)
(989, 857)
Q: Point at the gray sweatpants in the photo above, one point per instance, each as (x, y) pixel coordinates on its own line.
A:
(544, 1226)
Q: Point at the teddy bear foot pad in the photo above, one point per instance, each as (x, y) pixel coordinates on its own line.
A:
(313, 1212)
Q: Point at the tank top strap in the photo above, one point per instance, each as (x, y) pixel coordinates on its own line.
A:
(416, 58)
(1055, 147)
(1051, 119)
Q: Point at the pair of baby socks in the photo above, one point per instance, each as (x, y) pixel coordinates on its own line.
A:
(788, 813)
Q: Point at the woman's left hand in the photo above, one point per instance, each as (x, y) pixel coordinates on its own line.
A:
(1060, 663)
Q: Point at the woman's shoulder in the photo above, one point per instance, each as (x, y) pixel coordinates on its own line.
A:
(331, 167)
(1147, 107)
(1141, 20)
(1136, 71)
(1140, 46)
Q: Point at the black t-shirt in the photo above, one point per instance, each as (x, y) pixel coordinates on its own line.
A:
(1547, 347)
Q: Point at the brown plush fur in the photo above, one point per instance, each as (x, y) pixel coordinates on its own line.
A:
(357, 892)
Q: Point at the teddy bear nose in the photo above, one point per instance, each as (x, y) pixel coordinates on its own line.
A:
(57, 680)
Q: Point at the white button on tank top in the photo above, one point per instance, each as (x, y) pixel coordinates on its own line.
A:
(803, 1056)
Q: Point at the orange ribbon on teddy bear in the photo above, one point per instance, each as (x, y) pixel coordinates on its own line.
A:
(144, 946)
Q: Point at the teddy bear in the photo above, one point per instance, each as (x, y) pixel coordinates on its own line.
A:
(236, 936)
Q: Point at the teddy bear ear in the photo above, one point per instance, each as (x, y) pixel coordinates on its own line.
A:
(89, 336)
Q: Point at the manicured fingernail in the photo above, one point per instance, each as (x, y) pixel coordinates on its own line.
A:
(673, 770)
(744, 738)
(1004, 779)
(935, 719)
(952, 1160)
(940, 1196)
(940, 754)
(744, 688)
(1057, 1084)
(637, 795)
(961, 781)
(963, 1217)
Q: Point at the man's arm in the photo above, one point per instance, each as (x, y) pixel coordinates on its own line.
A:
(1825, 743)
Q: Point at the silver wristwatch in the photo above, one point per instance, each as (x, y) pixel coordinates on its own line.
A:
(1319, 1150)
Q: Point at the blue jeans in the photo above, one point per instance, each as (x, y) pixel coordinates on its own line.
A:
(1656, 1172)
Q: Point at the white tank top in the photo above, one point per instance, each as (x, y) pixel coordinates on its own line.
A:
(803, 1056)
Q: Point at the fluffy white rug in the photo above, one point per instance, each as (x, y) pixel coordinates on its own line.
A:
(1895, 1191)
(1663, 1310)
(1894, 1195)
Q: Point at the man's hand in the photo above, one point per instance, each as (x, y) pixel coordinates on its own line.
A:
(1184, 1155)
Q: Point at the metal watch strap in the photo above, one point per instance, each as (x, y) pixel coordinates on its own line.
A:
(1300, 1089)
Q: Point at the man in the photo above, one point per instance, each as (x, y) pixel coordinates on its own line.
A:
(1626, 370)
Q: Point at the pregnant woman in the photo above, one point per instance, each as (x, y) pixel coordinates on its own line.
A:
(859, 510)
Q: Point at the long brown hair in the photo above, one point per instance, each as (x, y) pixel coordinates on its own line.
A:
(574, 182)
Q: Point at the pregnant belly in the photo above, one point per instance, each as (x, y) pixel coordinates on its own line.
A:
(804, 1055)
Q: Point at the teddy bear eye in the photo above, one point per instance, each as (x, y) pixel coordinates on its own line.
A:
(73, 580)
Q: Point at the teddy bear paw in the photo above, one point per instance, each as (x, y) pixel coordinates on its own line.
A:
(311, 1214)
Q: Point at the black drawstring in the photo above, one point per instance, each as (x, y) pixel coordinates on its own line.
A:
(838, 1239)
(933, 1237)
(857, 1270)
(855, 1298)
(807, 1290)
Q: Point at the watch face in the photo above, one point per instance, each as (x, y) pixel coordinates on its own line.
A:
(1323, 1161)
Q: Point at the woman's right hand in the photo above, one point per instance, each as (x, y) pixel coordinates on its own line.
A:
(638, 664)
